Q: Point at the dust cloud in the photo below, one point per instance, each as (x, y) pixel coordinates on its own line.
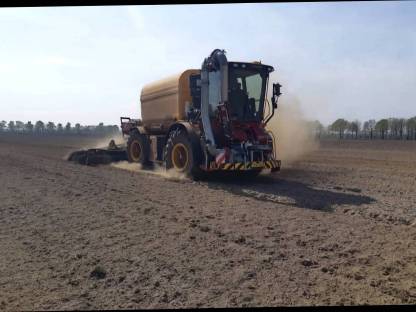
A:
(103, 142)
(294, 137)
(157, 170)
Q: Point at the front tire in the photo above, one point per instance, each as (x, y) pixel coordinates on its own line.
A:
(182, 155)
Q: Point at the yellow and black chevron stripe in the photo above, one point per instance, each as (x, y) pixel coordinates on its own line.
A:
(227, 166)
(272, 164)
(269, 164)
(232, 166)
(249, 165)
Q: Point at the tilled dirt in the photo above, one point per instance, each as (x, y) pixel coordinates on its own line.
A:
(337, 227)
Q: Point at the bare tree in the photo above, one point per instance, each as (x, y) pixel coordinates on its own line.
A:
(19, 126)
(3, 124)
(348, 129)
(100, 128)
(382, 126)
(366, 129)
(59, 128)
(11, 126)
(371, 126)
(401, 123)
(354, 127)
(39, 126)
(411, 128)
(396, 126)
(50, 127)
(77, 128)
(29, 127)
(391, 128)
(68, 127)
(339, 125)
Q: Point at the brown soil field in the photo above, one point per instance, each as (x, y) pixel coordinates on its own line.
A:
(334, 228)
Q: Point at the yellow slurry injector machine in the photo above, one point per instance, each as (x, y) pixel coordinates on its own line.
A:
(200, 121)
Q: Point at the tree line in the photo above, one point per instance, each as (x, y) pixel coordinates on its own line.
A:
(50, 128)
(386, 128)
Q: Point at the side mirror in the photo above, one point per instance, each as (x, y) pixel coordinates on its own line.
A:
(276, 93)
(276, 89)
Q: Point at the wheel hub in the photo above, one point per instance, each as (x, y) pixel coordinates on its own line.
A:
(180, 156)
(136, 150)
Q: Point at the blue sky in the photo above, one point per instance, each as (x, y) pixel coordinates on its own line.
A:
(88, 64)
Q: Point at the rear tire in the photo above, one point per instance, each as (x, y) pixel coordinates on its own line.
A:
(138, 148)
(182, 155)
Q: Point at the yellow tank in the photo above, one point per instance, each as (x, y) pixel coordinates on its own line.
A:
(163, 101)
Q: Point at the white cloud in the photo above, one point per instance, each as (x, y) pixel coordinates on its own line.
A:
(56, 60)
(136, 17)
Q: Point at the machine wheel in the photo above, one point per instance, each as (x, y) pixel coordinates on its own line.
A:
(182, 155)
(138, 148)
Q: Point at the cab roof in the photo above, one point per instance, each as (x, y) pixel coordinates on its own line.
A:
(253, 65)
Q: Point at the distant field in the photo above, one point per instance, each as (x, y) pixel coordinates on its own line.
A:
(388, 145)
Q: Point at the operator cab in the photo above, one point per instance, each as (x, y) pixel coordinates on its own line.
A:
(247, 90)
(247, 86)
